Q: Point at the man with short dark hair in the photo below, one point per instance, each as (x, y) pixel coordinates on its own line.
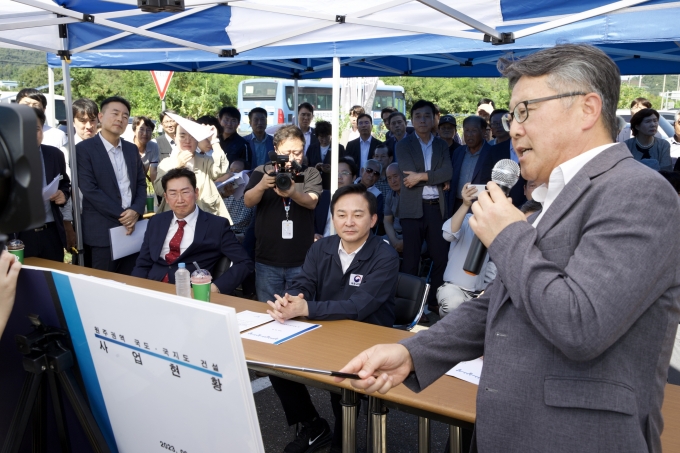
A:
(305, 115)
(361, 149)
(166, 141)
(468, 161)
(385, 117)
(426, 168)
(186, 234)
(113, 182)
(284, 220)
(85, 113)
(347, 174)
(319, 153)
(49, 240)
(233, 145)
(351, 275)
(352, 131)
(398, 130)
(260, 141)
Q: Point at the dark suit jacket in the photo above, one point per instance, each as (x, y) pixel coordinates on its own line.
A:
(354, 149)
(410, 157)
(237, 147)
(212, 240)
(578, 327)
(102, 204)
(478, 176)
(314, 157)
(499, 152)
(321, 212)
(164, 147)
(55, 164)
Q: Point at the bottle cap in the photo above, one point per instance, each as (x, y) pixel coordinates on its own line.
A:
(181, 265)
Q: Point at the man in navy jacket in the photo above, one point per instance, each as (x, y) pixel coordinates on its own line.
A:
(204, 238)
(351, 275)
(113, 182)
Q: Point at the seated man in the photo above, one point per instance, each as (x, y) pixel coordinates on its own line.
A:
(360, 285)
(390, 220)
(458, 285)
(186, 234)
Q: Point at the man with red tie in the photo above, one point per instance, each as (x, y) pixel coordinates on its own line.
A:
(187, 235)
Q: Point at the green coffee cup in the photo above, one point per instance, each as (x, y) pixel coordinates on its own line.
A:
(149, 204)
(202, 291)
(16, 248)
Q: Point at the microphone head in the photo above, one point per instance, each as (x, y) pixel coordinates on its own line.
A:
(505, 173)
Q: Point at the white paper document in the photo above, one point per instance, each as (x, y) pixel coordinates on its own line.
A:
(124, 245)
(240, 179)
(468, 371)
(51, 188)
(248, 319)
(277, 333)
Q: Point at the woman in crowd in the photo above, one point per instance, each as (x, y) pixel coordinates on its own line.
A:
(143, 127)
(646, 148)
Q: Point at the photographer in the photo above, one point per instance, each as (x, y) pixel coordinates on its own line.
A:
(284, 222)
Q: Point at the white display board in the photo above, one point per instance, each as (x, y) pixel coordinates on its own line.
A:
(164, 372)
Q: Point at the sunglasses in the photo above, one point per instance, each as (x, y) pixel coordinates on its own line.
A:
(371, 171)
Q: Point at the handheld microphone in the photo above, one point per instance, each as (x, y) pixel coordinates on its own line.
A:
(505, 173)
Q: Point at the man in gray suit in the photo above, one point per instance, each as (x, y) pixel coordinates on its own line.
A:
(425, 163)
(577, 328)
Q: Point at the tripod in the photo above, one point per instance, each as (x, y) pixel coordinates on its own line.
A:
(48, 364)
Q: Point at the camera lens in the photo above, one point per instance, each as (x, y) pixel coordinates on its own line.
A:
(283, 181)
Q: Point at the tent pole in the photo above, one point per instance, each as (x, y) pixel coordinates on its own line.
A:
(295, 102)
(50, 98)
(75, 193)
(335, 124)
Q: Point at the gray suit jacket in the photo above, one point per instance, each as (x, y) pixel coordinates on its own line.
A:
(410, 158)
(577, 328)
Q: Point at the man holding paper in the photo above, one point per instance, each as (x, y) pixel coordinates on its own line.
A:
(351, 275)
(186, 234)
(49, 240)
(191, 137)
(113, 182)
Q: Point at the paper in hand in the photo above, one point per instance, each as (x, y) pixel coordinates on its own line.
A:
(198, 131)
(51, 188)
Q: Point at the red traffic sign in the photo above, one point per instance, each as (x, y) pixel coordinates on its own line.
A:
(162, 81)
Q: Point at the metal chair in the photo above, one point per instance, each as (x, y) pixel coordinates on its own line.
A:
(410, 300)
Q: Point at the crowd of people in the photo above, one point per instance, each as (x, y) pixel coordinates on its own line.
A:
(400, 203)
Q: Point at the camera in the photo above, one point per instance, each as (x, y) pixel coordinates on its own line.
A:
(285, 176)
(21, 204)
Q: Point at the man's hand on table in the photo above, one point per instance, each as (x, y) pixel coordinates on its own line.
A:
(288, 307)
(381, 367)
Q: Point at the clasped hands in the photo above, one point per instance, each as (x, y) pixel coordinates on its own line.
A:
(288, 307)
(128, 219)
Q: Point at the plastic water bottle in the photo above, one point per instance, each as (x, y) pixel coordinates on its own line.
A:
(183, 281)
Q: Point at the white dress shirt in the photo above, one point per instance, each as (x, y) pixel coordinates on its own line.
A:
(120, 168)
(324, 151)
(460, 244)
(347, 258)
(189, 231)
(560, 177)
(365, 148)
(429, 192)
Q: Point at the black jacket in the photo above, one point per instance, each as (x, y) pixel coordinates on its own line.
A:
(499, 152)
(364, 293)
(354, 149)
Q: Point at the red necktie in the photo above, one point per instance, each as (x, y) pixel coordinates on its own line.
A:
(176, 240)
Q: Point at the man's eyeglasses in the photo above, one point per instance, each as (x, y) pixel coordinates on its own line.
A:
(521, 112)
(371, 171)
(344, 173)
(144, 130)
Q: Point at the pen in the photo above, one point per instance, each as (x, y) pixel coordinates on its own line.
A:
(307, 370)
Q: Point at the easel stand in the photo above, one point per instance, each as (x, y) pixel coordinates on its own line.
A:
(48, 364)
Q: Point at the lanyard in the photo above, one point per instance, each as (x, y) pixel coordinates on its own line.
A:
(286, 206)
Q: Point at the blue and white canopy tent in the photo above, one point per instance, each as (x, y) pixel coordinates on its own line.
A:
(322, 38)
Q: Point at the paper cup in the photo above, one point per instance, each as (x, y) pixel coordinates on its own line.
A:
(19, 253)
(202, 291)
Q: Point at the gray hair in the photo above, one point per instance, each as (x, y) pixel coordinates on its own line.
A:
(375, 162)
(572, 67)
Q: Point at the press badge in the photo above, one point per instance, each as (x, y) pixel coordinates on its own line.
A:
(287, 229)
(355, 279)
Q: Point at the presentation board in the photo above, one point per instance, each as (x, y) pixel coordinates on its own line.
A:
(161, 372)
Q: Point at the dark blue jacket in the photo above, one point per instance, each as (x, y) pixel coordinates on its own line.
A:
(478, 175)
(498, 152)
(329, 293)
(102, 204)
(212, 240)
(237, 147)
(269, 146)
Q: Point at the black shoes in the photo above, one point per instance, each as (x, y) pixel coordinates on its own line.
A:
(310, 437)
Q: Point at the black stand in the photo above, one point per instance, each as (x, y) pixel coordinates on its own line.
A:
(48, 362)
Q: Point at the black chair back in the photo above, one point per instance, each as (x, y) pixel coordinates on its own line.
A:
(221, 267)
(410, 300)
